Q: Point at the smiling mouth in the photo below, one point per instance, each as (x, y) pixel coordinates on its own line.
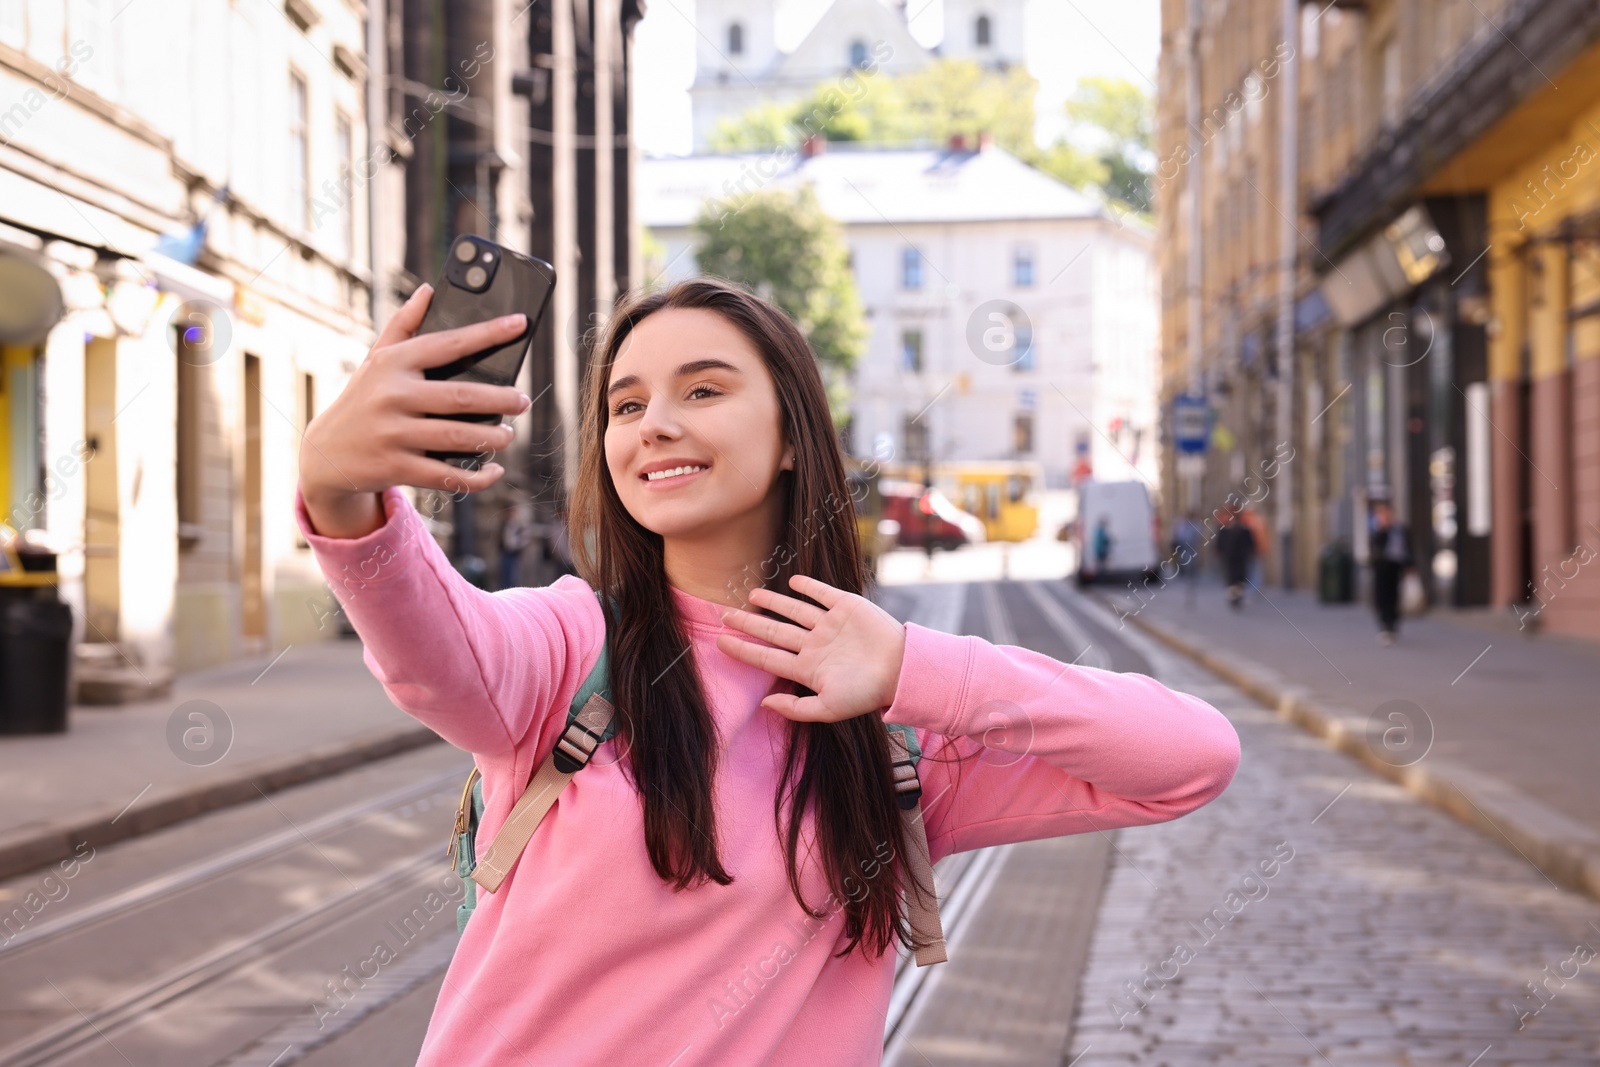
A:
(675, 476)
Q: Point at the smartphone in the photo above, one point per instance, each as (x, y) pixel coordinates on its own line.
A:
(482, 280)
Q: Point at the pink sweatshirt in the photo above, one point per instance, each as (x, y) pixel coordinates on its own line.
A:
(584, 956)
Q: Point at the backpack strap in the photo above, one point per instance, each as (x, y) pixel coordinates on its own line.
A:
(590, 723)
(927, 932)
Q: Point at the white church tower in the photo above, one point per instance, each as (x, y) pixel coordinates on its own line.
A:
(989, 32)
(739, 67)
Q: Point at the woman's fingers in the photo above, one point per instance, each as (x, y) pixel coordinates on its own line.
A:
(455, 398)
(454, 435)
(807, 615)
(800, 709)
(778, 633)
(402, 325)
(772, 660)
(425, 473)
(820, 591)
(437, 349)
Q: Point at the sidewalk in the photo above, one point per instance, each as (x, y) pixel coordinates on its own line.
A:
(119, 771)
(1502, 729)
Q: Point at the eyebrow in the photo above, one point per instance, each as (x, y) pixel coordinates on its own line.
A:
(694, 366)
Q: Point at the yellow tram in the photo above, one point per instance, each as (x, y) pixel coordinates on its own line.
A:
(1001, 493)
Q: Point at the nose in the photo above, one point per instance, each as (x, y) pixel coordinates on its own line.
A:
(660, 419)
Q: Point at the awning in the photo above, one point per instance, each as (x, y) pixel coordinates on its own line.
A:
(53, 214)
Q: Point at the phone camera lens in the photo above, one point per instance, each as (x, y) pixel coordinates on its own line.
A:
(476, 276)
(465, 251)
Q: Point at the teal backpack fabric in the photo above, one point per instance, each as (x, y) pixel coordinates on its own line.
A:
(465, 838)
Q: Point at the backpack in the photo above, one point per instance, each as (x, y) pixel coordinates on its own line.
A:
(590, 723)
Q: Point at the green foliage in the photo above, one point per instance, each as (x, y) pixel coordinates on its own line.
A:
(950, 96)
(781, 245)
(1120, 116)
(947, 97)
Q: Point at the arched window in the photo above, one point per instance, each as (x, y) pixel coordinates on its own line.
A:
(858, 53)
(735, 39)
(980, 31)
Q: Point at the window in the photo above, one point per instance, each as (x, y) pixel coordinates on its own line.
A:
(1022, 267)
(307, 403)
(1023, 340)
(911, 350)
(1022, 434)
(911, 269)
(14, 22)
(345, 216)
(914, 432)
(858, 53)
(735, 39)
(299, 151)
(980, 31)
(1390, 91)
(192, 342)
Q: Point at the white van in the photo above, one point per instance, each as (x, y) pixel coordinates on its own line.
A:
(1130, 521)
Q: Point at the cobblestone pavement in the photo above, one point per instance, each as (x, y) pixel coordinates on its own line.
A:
(1317, 915)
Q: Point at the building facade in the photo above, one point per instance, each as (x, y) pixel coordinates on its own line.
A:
(1010, 316)
(1429, 271)
(200, 246)
(194, 255)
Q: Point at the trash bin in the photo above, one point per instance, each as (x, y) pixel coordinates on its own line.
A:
(1336, 574)
(35, 641)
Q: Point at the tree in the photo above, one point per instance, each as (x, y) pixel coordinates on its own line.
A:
(781, 245)
(948, 96)
(951, 96)
(1120, 118)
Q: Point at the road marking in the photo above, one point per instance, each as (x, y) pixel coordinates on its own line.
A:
(1072, 634)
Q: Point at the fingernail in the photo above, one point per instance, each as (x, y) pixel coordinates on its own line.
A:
(518, 320)
(527, 402)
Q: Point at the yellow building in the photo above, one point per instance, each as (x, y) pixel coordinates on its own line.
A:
(1446, 161)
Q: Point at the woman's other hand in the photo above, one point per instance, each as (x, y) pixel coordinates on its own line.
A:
(848, 652)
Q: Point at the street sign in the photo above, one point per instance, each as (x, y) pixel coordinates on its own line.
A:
(1190, 423)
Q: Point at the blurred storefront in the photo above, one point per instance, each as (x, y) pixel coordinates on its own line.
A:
(1469, 239)
(1445, 272)
(186, 267)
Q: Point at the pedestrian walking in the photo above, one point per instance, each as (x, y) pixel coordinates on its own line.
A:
(1236, 547)
(1391, 559)
(1252, 521)
(516, 534)
(1102, 547)
(1186, 537)
(659, 915)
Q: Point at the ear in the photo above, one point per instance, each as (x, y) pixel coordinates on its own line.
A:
(788, 460)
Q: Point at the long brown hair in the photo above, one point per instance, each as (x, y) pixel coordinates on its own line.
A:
(665, 725)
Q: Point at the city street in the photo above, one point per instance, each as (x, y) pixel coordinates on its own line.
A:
(1316, 914)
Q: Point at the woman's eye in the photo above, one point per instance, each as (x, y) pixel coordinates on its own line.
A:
(621, 409)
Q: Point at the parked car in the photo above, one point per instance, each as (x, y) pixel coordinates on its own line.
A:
(1131, 522)
(920, 511)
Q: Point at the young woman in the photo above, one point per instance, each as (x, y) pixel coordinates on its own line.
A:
(721, 884)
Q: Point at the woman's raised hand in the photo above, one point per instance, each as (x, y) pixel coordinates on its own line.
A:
(848, 652)
(375, 433)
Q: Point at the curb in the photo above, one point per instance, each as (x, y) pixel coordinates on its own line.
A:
(34, 847)
(1565, 851)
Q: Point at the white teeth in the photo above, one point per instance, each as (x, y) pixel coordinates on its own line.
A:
(656, 476)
